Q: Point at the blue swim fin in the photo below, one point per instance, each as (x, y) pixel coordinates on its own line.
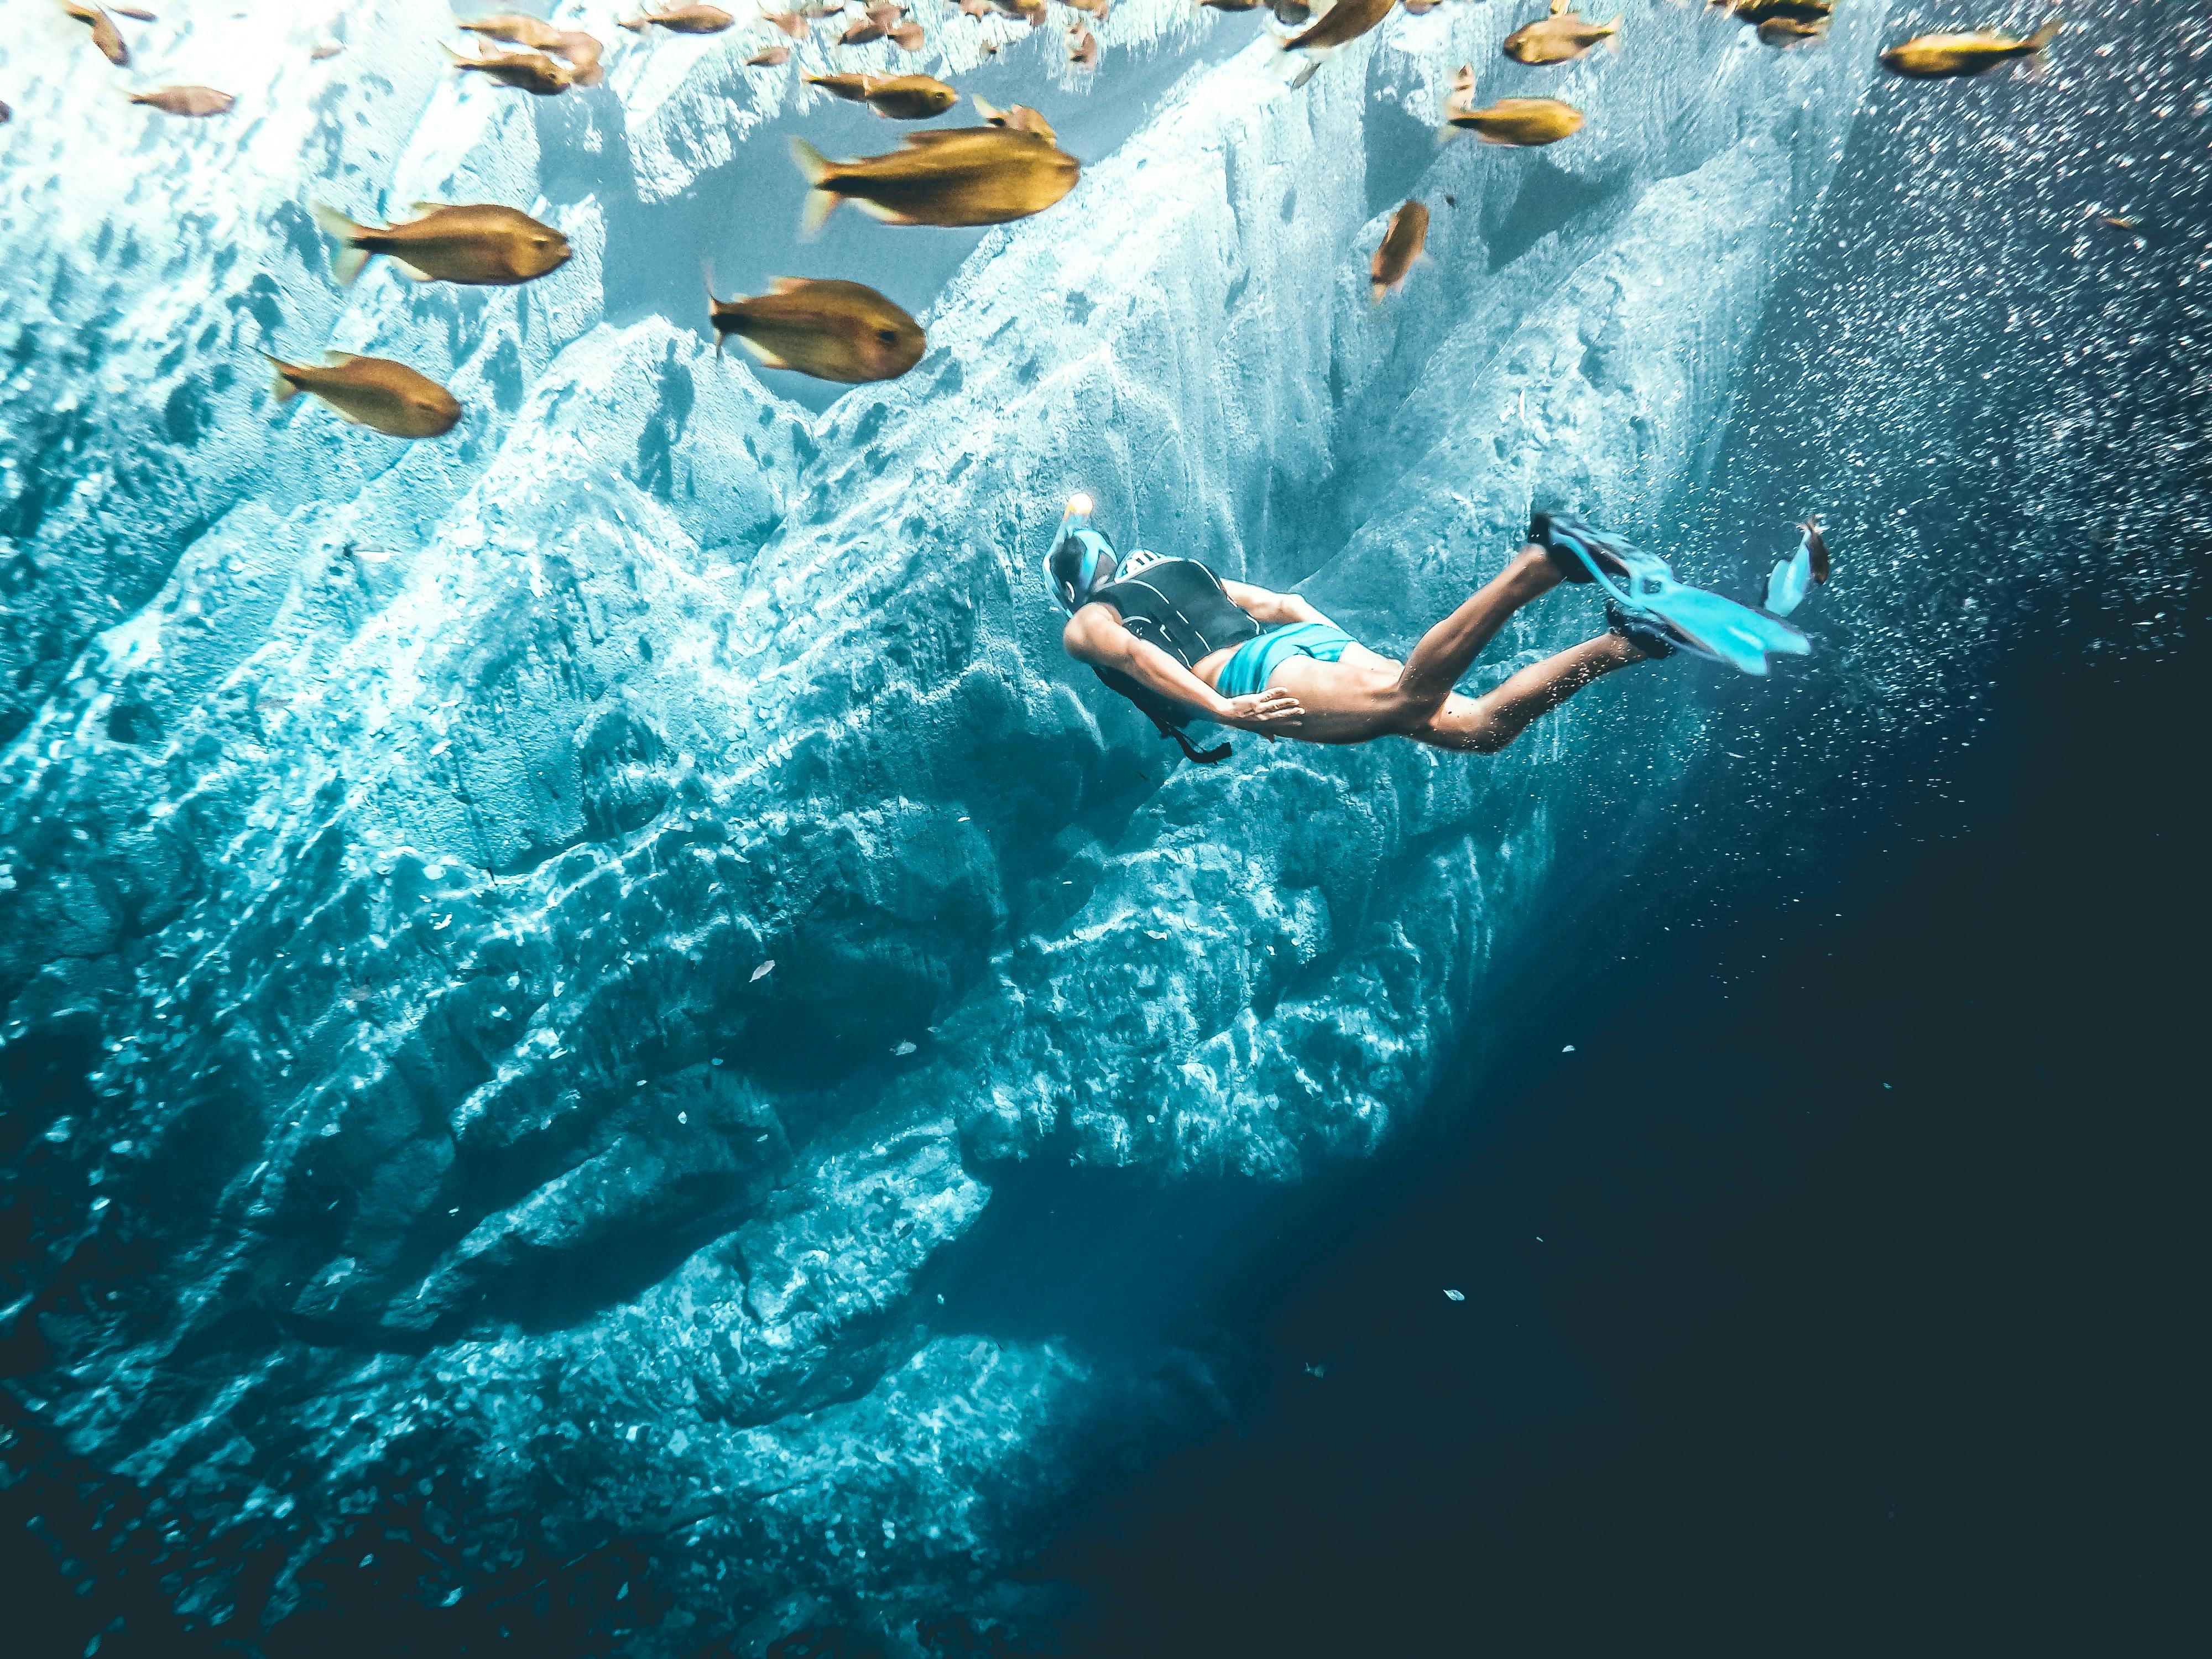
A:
(1712, 625)
(1791, 581)
(1641, 589)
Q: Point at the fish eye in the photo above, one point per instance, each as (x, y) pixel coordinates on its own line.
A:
(888, 336)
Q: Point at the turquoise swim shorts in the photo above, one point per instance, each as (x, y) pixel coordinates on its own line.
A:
(1247, 671)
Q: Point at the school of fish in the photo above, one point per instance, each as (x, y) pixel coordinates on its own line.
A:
(1009, 168)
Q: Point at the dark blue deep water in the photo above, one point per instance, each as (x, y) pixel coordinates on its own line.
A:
(1833, 1297)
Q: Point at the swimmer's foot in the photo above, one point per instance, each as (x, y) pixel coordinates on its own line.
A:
(1637, 631)
(1580, 552)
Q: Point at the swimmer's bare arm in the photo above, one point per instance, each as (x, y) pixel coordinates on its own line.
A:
(1264, 605)
(1094, 634)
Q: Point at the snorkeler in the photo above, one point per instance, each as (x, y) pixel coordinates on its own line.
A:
(1184, 645)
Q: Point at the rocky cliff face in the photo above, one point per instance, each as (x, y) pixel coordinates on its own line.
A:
(524, 954)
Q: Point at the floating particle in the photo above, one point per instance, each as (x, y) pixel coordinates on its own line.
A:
(764, 970)
(1569, 1049)
(1455, 1296)
(903, 1049)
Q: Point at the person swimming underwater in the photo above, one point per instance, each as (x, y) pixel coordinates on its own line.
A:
(1183, 644)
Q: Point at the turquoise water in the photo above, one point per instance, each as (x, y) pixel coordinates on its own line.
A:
(608, 1046)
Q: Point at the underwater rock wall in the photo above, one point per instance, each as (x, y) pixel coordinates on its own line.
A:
(536, 942)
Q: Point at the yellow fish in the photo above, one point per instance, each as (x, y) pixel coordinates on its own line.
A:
(682, 20)
(481, 246)
(1802, 11)
(834, 330)
(514, 27)
(1019, 117)
(372, 392)
(1341, 24)
(185, 101)
(1400, 247)
(105, 35)
(526, 71)
(1558, 39)
(900, 97)
(1527, 122)
(1790, 32)
(1938, 56)
(951, 176)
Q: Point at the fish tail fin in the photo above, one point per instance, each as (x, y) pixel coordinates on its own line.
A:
(1375, 293)
(1613, 33)
(346, 264)
(635, 25)
(814, 167)
(991, 111)
(282, 384)
(2044, 36)
(713, 305)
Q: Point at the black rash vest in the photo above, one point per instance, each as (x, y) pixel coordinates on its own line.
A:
(1178, 606)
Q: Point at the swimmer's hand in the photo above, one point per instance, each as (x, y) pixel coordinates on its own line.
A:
(1266, 712)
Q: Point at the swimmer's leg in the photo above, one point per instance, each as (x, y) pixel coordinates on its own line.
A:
(1448, 650)
(1485, 724)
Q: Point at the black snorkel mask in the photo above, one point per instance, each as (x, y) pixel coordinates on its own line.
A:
(1081, 560)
